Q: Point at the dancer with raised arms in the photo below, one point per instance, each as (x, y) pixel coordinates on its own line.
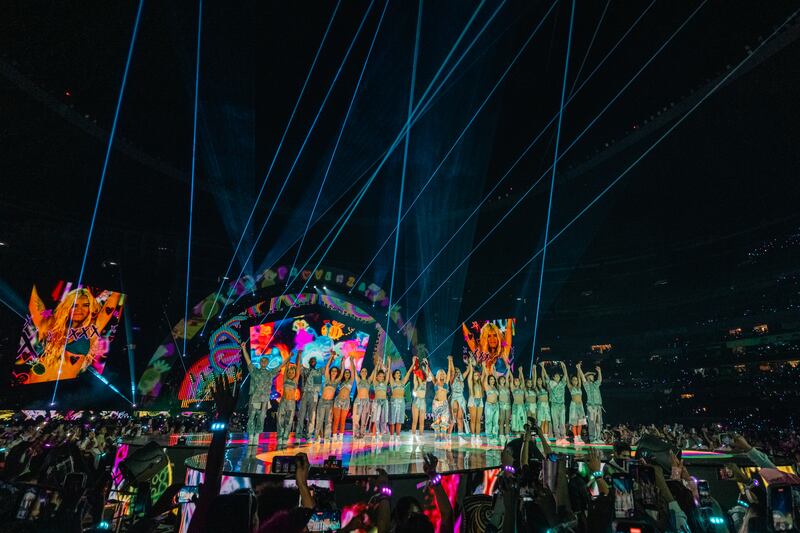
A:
(518, 408)
(419, 406)
(341, 405)
(309, 396)
(397, 402)
(557, 387)
(458, 404)
(261, 379)
(380, 405)
(475, 381)
(542, 402)
(333, 375)
(492, 406)
(440, 407)
(504, 404)
(361, 406)
(530, 398)
(577, 416)
(288, 403)
(594, 403)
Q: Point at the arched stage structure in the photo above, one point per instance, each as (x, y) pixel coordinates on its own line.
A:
(332, 313)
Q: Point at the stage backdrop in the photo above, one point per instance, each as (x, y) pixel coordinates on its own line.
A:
(217, 326)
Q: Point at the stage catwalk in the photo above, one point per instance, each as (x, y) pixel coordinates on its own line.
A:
(402, 457)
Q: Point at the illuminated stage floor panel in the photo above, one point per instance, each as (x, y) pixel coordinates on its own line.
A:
(401, 458)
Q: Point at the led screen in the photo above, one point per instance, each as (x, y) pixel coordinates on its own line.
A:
(68, 331)
(308, 336)
(490, 342)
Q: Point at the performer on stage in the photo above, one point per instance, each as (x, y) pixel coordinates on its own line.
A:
(518, 409)
(288, 403)
(530, 398)
(492, 407)
(577, 416)
(542, 403)
(440, 407)
(341, 405)
(380, 405)
(312, 383)
(475, 381)
(458, 405)
(419, 406)
(594, 402)
(557, 388)
(361, 406)
(324, 424)
(504, 404)
(260, 387)
(397, 403)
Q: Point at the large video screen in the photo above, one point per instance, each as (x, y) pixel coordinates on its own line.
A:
(308, 336)
(68, 331)
(490, 342)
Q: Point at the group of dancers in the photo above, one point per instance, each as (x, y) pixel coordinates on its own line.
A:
(501, 401)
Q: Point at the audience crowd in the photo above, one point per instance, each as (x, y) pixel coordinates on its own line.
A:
(535, 490)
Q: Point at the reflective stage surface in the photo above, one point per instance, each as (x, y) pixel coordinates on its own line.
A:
(400, 458)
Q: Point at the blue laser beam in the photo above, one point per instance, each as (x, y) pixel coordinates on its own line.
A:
(562, 154)
(103, 174)
(131, 355)
(339, 137)
(422, 106)
(403, 174)
(345, 217)
(417, 116)
(304, 143)
(191, 185)
(553, 181)
(630, 167)
(272, 164)
(12, 308)
(458, 140)
(425, 108)
(522, 155)
(107, 383)
(589, 48)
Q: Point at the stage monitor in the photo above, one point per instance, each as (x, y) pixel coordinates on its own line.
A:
(68, 331)
(490, 342)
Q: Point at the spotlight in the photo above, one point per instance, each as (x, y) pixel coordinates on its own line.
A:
(3, 243)
(324, 288)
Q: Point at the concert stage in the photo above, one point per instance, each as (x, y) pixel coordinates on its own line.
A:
(467, 466)
(400, 458)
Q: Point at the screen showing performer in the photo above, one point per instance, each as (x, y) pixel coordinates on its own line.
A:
(309, 336)
(490, 342)
(68, 331)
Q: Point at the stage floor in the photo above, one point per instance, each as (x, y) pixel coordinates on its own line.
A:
(402, 458)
